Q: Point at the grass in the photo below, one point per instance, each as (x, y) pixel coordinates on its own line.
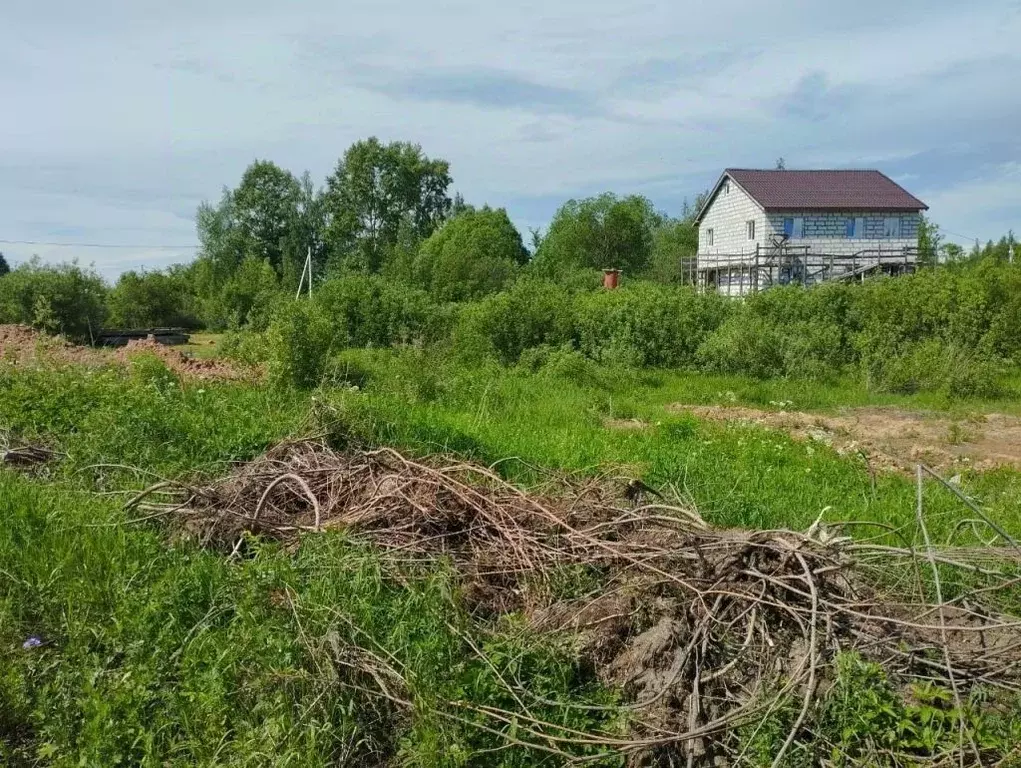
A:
(737, 475)
(201, 345)
(157, 655)
(162, 653)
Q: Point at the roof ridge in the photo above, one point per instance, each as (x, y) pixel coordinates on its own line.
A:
(809, 170)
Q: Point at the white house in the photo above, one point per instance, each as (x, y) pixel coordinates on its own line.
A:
(759, 228)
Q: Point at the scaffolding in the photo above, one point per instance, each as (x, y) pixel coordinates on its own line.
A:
(780, 263)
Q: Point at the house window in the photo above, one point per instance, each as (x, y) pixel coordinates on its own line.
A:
(891, 228)
(859, 226)
(726, 187)
(794, 227)
(709, 236)
(850, 228)
(751, 229)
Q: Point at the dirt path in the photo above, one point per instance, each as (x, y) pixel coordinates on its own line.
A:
(892, 438)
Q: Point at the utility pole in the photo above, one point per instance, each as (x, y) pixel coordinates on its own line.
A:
(306, 269)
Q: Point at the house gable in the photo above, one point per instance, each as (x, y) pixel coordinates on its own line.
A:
(731, 221)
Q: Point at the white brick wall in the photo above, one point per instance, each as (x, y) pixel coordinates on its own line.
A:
(827, 232)
(728, 217)
(730, 212)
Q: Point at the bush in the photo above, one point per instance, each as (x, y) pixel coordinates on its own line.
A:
(562, 362)
(599, 233)
(752, 345)
(347, 370)
(152, 300)
(646, 324)
(63, 299)
(300, 344)
(151, 374)
(935, 366)
(474, 254)
(530, 314)
(368, 311)
(248, 347)
(744, 344)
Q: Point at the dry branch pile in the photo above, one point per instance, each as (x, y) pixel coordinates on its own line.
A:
(703, 629)
(24, 456)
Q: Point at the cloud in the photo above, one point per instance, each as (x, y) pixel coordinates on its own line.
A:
(121, 117)
(483, 88)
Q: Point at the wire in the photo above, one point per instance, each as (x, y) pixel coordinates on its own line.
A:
(96, 245)
(958, 234)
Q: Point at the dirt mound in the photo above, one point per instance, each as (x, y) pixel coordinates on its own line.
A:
(704, 630)
(196, 368)
(24, 345)
(891, 438)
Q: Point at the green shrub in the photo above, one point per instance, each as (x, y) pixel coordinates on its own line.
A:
(562, 362)
(530, 314)
(244, 346)
(744, 344)
(476, 253)
(300, 344)
(63, 299)
(599, 233)
(152, 374)
(348, 370)
(152, 300)
(646, 324)
(935, 366)
(368, 311)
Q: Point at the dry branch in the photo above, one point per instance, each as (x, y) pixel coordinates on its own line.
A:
(693, 624)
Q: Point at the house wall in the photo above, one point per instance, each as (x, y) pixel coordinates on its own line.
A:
(827, 232)
(727, 216)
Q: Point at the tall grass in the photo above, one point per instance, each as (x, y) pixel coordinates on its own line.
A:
(156, 655)
(155, 651)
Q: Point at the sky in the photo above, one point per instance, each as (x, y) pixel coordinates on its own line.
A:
(120, 118)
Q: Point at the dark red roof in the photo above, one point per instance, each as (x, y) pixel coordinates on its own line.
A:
(824, 190)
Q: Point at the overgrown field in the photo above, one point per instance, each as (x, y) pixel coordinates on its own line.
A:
(125, 640)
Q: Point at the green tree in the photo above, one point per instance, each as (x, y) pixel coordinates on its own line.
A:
(271, 218)
(266, 210)
(61, 298)
(674, 246)
(4, 266)
(952, 252)
(929, 240)
(473, 254)
(376, 189)
(152, 299)
(250, 297)
(599, 233)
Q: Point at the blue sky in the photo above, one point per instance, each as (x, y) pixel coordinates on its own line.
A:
(119, 118)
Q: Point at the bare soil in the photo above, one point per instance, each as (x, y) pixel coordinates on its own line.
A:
(892, 439)
(206, 368)
(23, 345)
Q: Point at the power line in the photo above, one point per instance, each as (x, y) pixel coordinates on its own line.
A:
(97, 245)
(958, 234)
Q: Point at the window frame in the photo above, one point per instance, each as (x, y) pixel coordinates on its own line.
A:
(709, 237)
(750, 228)
(892, 227)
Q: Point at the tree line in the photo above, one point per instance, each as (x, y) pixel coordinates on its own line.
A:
(386, 210)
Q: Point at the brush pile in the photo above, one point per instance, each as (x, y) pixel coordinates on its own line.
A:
(704, 630)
